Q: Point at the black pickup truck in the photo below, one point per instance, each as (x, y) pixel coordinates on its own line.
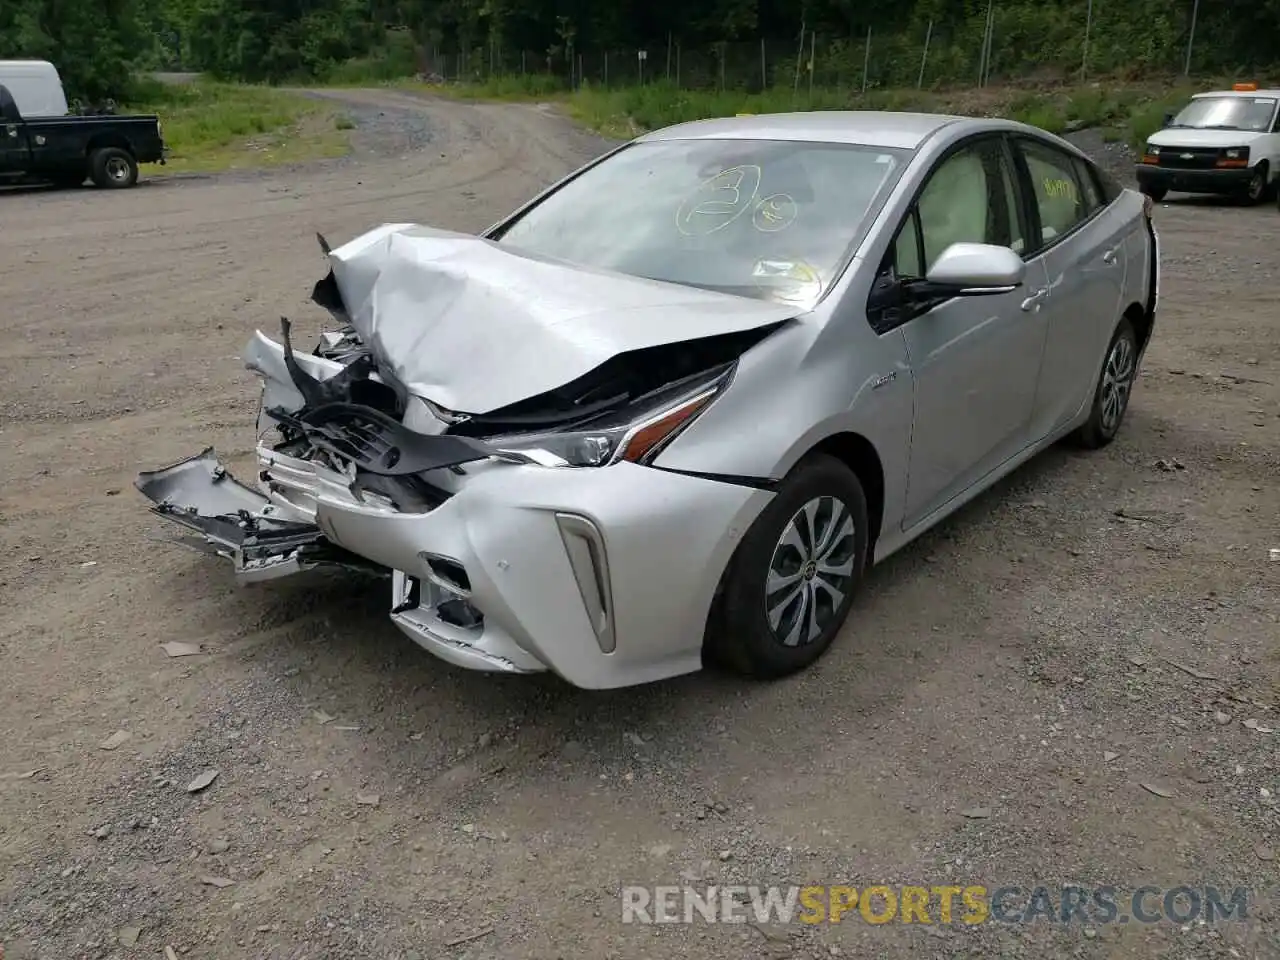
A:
(66, 150)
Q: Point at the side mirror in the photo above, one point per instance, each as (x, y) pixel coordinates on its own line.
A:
(975, 269)
(1168, 119)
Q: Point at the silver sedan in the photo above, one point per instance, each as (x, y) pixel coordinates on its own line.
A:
(671, 409)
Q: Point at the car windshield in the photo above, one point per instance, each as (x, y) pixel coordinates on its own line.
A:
(766, 219)
(1227, 113)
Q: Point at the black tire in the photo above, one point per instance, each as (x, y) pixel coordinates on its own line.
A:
(741, 636)
(1155, 193)
(1259, 189)
(1103, 423)
(113, 168)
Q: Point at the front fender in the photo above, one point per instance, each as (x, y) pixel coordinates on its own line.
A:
(800, 386)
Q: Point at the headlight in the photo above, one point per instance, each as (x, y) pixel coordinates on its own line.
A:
(1236, 153)
(638, 438)
(1153, 150)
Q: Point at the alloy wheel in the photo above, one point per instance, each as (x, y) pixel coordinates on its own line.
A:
(1117, 380)
(810, 571)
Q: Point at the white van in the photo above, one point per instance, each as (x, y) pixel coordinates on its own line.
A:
(1222, 142)
(35, 87)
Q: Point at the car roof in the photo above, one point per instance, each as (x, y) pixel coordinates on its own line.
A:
(1250, 94)
(872, 128)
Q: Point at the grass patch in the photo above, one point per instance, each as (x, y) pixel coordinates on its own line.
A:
(215, 126)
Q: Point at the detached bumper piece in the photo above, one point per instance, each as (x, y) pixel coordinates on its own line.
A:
(238, 523)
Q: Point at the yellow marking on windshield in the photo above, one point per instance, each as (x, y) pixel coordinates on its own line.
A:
(774, 213)
(719, 200)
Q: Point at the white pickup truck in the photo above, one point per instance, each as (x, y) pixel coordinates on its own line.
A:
(1224, 142)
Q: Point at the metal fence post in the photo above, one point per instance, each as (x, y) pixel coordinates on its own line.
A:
(813, 53)
(1191, 38)
(866, 61)
(991, 29)
(924, 57)
(1088, 27)
(795, 88)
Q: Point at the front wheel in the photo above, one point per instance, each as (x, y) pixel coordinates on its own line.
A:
(113, 168)
(1111, 399)
(792, 580)
(1259, 184)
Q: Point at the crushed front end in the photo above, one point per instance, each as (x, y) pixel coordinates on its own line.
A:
(521, 539)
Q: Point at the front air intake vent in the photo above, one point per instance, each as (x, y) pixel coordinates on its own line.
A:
(589, 561)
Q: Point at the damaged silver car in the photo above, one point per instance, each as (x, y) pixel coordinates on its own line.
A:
(673, 407)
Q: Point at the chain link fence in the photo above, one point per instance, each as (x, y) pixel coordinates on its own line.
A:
(1016, 43)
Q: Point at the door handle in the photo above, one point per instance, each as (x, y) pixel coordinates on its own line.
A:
(1032, 303)
(1109, 257)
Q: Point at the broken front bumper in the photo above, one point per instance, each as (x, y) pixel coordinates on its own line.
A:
(238, 523)
(603, 575)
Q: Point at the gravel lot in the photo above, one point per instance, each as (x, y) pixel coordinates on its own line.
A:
(991, 714)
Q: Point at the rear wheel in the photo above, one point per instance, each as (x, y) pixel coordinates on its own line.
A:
(1111, 399)
(792, 580)
(113, 168)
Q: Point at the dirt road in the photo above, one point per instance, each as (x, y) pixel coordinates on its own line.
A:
(990, 716)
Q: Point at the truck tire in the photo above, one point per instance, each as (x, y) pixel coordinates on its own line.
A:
(1259, 184)
(113, 168)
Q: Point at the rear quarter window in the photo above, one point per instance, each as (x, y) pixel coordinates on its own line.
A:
(1090, 188)
(1109, 186)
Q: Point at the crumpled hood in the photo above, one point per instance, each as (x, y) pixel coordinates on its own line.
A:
(474, 326)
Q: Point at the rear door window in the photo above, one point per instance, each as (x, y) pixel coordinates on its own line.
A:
(1058, 195)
